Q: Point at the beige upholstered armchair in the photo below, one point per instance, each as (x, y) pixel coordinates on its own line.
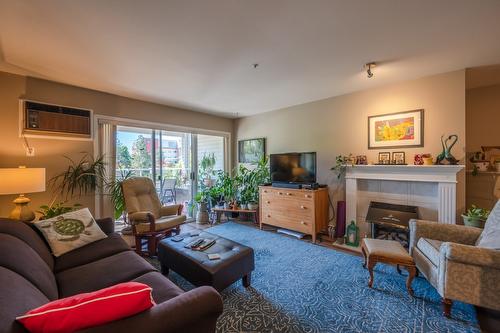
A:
(150, 220)
(448, 257)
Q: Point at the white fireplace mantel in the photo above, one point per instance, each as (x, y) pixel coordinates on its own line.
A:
(445, 176)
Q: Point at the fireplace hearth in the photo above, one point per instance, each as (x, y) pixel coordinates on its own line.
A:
(391, 221)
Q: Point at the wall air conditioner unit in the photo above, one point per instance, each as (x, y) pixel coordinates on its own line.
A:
(55, 121)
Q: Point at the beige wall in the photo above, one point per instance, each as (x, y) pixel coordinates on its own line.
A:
(49, 151)
(482, 117)
(339, 125)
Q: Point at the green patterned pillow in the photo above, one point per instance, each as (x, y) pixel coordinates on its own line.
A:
(70, 231)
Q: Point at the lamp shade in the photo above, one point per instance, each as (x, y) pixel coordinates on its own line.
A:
(22, 180)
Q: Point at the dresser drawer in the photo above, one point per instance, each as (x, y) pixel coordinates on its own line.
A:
(287, 194)
(304, 225)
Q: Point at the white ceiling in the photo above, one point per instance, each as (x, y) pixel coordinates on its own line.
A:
(199, 54)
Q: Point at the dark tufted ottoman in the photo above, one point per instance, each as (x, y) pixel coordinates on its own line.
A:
(236, 261)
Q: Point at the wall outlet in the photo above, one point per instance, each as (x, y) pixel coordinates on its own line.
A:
(30, 152)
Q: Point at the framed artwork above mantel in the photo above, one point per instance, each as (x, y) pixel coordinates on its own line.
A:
(396, 130)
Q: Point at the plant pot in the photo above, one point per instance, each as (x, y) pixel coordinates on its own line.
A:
(481, 165)
(202, 213)
(227, 205)
(253, 206)
(208, 182)
(243, 206)
(427, 160)
(473, 221)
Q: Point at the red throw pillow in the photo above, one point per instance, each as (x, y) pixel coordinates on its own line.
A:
(90, 309)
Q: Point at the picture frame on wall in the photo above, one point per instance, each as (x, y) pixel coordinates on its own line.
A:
(396, 130)
(251, 151)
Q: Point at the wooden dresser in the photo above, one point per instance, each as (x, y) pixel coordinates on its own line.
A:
(305, 211)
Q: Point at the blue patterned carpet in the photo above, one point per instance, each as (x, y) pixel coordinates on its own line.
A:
(301, 287)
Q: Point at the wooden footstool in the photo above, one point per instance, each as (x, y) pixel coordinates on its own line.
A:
(388, 252)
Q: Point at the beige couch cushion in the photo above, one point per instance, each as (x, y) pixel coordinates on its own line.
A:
(430, 249)
(162, 223)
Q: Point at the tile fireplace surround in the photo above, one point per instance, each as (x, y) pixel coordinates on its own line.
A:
(432, 188)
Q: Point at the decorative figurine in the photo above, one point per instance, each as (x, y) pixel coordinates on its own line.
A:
(446, 153)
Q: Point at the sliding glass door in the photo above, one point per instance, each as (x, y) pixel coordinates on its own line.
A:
(171, 159)
(174, 160)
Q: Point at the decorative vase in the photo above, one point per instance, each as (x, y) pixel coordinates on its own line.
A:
(243, 206)
(427, 160)
(202, 213)
(352, 237)
(227, 205)
(473, 221)
(481, 165)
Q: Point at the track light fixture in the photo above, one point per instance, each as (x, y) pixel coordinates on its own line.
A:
(368, 67)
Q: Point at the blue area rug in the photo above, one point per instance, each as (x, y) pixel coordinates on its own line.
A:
(302, 287)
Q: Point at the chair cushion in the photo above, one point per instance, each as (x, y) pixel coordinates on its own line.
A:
(70, 231)
(140, 195)
(388, 249)
(490, 237)
(103, 248)
(163, 223)
(430, 248)
(118, 268)
(163, 288)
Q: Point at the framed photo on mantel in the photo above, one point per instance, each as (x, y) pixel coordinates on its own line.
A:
(396, 130)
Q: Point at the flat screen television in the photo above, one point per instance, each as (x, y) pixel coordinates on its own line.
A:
(293, 167)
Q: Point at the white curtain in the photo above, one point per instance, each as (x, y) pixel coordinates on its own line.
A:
(107, 149)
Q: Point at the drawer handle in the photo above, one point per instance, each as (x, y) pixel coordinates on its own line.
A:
(303, 223)
(265, 191)
(268, 201)
(302, 207)
(268, 215)
(307, 196)
(288, 193)
(280, 193)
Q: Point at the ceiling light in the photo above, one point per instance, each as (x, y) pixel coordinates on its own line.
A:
(368, 67)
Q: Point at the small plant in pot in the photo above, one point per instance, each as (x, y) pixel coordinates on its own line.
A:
(207, 165)
(201, 199)
(475, 217)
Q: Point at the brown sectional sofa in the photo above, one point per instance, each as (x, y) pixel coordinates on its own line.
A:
(30, 277)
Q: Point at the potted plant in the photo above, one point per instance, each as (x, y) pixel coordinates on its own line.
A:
(259, 176)
(207, 165)
(479, 162)
(201, 198)
(227, 188)
(80, 178)
(475, 217)
(55, 209)
(341, 163)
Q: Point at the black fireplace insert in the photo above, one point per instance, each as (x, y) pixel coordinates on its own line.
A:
(391, 221)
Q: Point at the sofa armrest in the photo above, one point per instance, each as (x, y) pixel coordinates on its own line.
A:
(442, 232)
(107, 225)
(141, 217)
(171, 210)
(470, 255)
(189, 312)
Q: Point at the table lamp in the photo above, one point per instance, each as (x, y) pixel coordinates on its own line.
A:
(20, 181)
